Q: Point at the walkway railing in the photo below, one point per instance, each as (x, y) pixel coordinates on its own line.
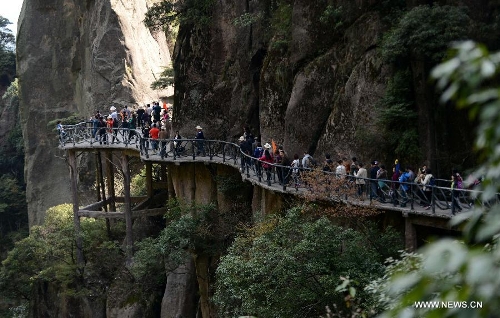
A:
(319, 184)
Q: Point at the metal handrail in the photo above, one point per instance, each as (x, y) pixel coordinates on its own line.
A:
(288, 178)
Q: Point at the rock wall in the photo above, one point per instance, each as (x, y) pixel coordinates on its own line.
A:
(309, 89)
(74, 57)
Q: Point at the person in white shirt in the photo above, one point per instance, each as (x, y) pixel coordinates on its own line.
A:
(340, 170)
(360, 181)
(307, 160)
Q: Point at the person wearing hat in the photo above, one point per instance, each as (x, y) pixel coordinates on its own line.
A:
(200, 143)
(110, 126)
(246, 150)
(266, 161)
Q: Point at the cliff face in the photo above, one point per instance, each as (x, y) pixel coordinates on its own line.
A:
(75, 57)
(308, 87)
(310, 76)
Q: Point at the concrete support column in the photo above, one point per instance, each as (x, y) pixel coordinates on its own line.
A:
(110, 180)
(73, 172)
(410, 235)
(129, 241)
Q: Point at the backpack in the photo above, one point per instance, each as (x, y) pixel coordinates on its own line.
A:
(258, 152)
(311, 162)
(432, 182)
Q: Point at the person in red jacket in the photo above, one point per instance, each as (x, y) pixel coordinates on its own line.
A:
(267, 160)
(154, 134)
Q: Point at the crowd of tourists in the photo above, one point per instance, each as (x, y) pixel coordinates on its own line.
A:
(374, 180)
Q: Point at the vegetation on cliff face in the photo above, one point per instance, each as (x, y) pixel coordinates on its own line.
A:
(290, 266)
(171, 12)
(47, 256)
(191, 230)
(409, 110)
(13, 206)
(7, 55)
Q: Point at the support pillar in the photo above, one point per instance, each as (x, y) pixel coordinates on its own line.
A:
(170, 185)
(410, 235)
(129, 241)
(110, 178)
(101, 188)
(73, 172)
(149, 179)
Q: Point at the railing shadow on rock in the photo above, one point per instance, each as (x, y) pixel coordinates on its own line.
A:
(325, 185)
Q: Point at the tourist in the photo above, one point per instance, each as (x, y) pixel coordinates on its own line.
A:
(163, 136)
(456, 186)
(102, 131)
(373, 182)
(154, 133)
(328, 163)
(340, 170)
(140, 113)
(295, 170)
(132, 125)
(308, 161)
(361, 174)
(381, 182)
(178, 148)
(427, 184)
(267, 160)
(200, 141)
(245, 149)
(61, 132)
(145, 138)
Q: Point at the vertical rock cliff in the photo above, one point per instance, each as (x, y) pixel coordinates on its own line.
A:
(304, 83)
(75, 57)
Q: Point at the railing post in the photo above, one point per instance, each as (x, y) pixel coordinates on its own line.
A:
(174, 148)
(412, 196)
(283, 177)
(210, 152)
(224, 152)
(433, 200)
(193, 150)
(247, 164)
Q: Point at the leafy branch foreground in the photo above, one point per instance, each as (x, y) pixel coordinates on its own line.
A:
(463, 273)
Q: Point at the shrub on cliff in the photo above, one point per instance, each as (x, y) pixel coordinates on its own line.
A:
(48, 254)
(291, 266)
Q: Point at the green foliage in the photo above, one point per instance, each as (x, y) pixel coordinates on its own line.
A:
(425, 32)
(138, 183)
(247, 19)
(7, 55)
(281, 26)
(166, 79)
(331, 17)
(290, 267)
(191, 229)
(398, 118)
(463, 271)
(73, 119)
(13, 206)
(232, 186)
(7, 39)
(48, 255)
(169, 12)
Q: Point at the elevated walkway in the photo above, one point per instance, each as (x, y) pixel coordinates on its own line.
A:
(278, 179)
